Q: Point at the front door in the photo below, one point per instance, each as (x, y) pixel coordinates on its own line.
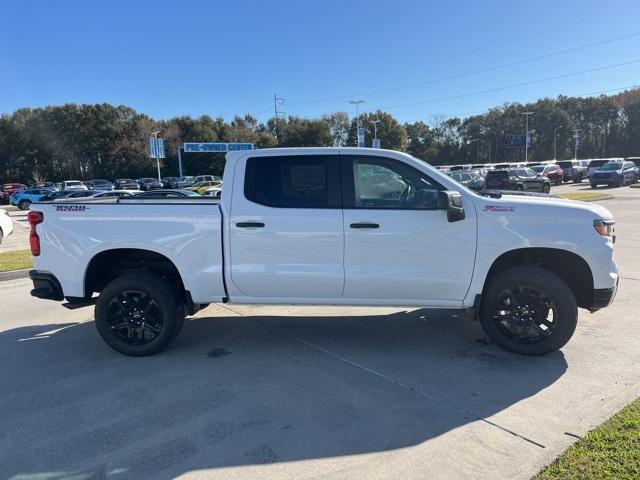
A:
(286, 233)
(398, 246)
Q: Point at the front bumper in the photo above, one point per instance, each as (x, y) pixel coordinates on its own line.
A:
(603, 297)
(45, 286)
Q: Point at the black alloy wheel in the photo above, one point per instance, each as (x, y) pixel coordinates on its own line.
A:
(524, 314)
(528, 310)
(139, 314)
(134, 317)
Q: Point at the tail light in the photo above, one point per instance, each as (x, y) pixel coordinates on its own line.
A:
(35, 218)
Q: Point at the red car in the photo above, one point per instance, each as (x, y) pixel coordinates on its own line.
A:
(8, 189)
(552, 171)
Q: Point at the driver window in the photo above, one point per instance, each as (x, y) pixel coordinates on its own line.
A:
(384, 183)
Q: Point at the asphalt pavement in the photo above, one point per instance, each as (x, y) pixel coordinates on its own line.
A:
(313, 392)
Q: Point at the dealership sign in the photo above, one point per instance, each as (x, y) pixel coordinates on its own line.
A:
(193, 147)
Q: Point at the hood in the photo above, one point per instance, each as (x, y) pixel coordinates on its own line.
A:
(550, 202)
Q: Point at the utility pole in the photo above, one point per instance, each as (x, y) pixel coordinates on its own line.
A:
(276, 102)
(356, 103)
(526, 136)
(375, 131)
(555, 139)
(576, 137)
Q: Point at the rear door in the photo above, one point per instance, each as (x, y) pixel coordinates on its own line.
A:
(286, 235)
(399, 248)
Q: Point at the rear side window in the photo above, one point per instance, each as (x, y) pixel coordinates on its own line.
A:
(303, 181)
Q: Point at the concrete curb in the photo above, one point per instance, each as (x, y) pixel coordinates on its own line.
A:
(14, 275)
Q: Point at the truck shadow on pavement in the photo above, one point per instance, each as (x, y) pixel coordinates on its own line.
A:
(252, 390)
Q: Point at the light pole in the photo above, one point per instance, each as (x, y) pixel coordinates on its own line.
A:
(375, 130)
(576, 137)
(155, 135)
(526, 136)
(555, 138)
(356, 103)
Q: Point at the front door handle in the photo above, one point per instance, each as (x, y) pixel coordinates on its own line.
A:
(249, 224)
(364, 225)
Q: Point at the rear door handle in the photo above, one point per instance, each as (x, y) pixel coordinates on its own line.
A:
(249, 224)
(364, 225)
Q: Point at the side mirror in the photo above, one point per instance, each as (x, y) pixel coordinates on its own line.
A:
(451, 202)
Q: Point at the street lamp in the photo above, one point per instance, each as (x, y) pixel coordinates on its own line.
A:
(356, 103)
(526, 136)
(155, 135)
(555, 138)
(375, 130)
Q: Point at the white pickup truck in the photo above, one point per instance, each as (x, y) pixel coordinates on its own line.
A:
(330, 226)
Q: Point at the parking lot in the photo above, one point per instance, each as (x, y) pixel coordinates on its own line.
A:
(315, 392)
(19, 239)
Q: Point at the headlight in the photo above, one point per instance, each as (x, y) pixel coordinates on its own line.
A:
(604, 227)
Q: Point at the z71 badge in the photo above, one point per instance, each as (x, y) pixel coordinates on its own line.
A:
(71, 208)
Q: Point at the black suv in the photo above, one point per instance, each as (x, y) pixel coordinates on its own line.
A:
(521, 179)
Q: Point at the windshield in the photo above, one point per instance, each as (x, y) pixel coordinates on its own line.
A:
(538, 168)
(612, 166)
(72, 183)
(100, 182)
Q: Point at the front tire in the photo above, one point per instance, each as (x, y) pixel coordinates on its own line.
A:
(138, 314)
(528, 310)
(24, 204)
(593, 185)
(546, 188)
(558, 181)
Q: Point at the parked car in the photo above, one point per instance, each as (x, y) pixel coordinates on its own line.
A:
(296, 228)
(11, 188)
(614, 174)
(207, 178)
(80, 194)
(575, 170)
(214, 192)
(200, 187)
(55, 196)
(126, 184)
(115, 193)
(552, 171)
(171, 182)
(167, 193)
(46, 185)
(73, 186)
(521, 179)
(186, 182)
(6, 225)
(24, 198)
(599, 162)
(469, 179)
(99, 184)
(149, 184)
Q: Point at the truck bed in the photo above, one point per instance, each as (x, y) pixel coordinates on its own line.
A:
(187, 231)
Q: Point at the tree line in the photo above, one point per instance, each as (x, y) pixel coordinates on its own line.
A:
(106, 141)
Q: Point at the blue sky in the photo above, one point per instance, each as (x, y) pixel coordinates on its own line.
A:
(168, 58)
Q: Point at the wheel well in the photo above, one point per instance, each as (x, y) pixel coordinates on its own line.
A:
(111, 264)
(569, 266)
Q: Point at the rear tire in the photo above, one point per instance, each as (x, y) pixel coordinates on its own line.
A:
(138, 314)
(1, 236)
(516, 307)
(558, 181)
(593, 185)
(578, 179)
(519, 187)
